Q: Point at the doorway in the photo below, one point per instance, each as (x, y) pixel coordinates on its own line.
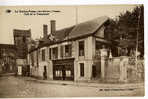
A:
(63, 72)
(45, 73)
(94, 72)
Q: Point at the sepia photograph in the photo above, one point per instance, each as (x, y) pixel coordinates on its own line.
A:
(72, 51)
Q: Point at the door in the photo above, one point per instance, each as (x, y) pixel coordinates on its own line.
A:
(19, 70)
(45, 72)
(63, 72)
(57, 72)
(94, 71)
(69, 72)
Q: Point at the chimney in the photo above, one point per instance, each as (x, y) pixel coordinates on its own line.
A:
(53, 26)
(45, 30)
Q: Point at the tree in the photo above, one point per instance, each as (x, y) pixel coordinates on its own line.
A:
(126, 27)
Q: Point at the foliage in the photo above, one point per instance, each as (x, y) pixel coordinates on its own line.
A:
(125, 27)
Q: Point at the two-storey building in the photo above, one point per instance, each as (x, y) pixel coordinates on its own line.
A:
(74, 53)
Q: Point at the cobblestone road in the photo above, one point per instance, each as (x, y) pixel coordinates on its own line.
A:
(19, 87)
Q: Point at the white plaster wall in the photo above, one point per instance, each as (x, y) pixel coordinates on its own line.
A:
(41, 68)
(50, 70)
(87, 59)
(87, 70)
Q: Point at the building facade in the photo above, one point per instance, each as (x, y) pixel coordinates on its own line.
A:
(21, 39)
(72, 53)
(7, 58)
(82, 52)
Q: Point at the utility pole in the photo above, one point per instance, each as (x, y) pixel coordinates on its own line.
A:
(76, 15)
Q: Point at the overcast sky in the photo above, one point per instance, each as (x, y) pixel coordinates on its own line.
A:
(65, 18)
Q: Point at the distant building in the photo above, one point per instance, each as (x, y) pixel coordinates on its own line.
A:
(7, 58)
(21, 39)
(71, 53)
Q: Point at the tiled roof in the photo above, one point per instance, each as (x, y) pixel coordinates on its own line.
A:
(81, 29)
(87, 27)
(61, 34)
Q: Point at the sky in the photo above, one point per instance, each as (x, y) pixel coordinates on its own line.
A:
(68, 16)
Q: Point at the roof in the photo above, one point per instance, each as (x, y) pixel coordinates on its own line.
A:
(87, 27)
(8, 46)
(61, 34)
(82, 29)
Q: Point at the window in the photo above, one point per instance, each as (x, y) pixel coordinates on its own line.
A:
(37, 53)
(49, 53)
(81, 48)
(24, 39)
(98, 45)
(68, 73)
(55, 53)
(58, 73)
(68, 50)
(43, 55)
(82, 69)
(61, 50)
(32, 59)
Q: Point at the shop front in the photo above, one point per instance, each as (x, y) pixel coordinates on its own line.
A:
(63, 69)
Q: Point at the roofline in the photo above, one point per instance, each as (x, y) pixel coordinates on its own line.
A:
(106, 41)
(71, 39)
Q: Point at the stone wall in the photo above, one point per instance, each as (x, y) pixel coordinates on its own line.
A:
(122, 69)
(113, 69)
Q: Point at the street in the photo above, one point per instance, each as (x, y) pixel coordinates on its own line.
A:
(21, 87)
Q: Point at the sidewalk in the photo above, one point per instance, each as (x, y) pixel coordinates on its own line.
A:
(91, 84)
(7, 74)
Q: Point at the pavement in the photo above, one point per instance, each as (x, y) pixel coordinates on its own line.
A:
(24, 87)
(89, 84)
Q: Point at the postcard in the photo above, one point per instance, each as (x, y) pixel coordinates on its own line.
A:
(72, 51)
